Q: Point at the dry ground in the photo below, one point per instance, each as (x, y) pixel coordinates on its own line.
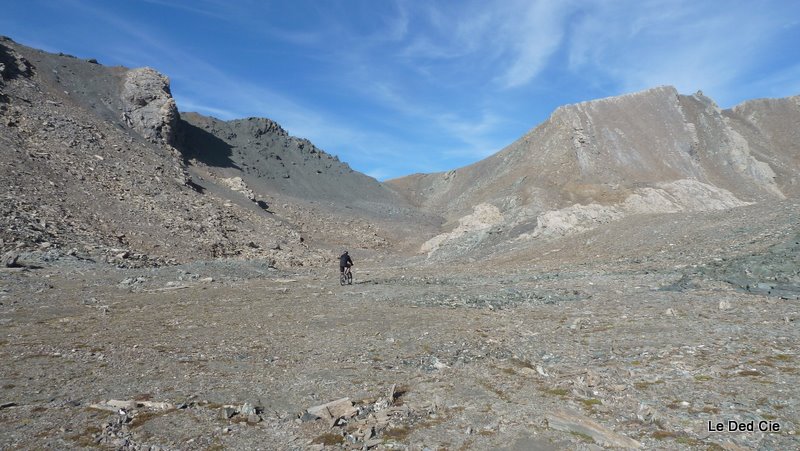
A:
(479, 359)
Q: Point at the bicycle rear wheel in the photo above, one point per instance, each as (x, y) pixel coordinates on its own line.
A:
(342, 279)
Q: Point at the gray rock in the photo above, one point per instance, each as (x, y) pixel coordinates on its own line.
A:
(228, 412)
(149, 106)
(248, 409)
(10, 259)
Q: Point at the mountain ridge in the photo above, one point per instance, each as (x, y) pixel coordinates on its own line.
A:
(598, 160)
(649, 152)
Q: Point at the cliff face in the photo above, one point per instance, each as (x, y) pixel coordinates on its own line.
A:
(655, 151)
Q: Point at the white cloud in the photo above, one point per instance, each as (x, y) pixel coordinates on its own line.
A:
(532, 40)
(691, 45)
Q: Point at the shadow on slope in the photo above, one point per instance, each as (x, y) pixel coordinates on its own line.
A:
(194, 142)
(11, 66)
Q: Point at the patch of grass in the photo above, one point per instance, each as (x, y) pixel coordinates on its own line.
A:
(239, 419)
(643, 385)
(521, 363)
(509, 371)
(582, 437)
(143, 417)
(686, 440)
(8, 386)
(328, 439)
(557, 392)
(663, 435)
(589, 403)
(38, 409)
(397, 434)
(749, 373)
(781, 357)
(500, 393)
(702, 377)
(636, 362)
(85, 439)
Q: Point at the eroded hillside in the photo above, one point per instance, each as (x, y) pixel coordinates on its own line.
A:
(595, 162)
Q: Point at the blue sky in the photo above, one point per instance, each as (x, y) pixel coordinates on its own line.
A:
(395, 87)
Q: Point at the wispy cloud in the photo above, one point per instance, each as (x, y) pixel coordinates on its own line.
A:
(680, 43)
(532, 40)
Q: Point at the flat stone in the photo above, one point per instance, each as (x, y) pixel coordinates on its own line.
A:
(571, 421)
(341, 408)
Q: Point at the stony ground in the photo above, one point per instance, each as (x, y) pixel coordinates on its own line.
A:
(233, 354)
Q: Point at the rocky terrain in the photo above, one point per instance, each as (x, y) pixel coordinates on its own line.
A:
(626, 275)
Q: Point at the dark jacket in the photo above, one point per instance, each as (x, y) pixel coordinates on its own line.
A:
(345, 260)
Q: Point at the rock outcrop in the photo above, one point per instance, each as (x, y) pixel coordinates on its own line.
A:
(149, 106)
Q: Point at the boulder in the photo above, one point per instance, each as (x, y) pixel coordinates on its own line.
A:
(148, 105)
(10, 259)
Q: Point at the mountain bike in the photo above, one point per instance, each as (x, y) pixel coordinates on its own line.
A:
(346, 276)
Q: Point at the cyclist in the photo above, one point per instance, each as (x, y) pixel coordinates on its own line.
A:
(345, 262)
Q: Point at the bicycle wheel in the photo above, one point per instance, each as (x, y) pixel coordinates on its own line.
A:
(342, 279)
(349, 277)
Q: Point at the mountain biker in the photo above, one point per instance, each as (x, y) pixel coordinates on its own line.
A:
(345, 262)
